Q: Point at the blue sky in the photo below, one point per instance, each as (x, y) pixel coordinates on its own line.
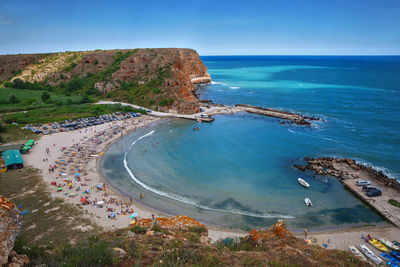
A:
(211, 27)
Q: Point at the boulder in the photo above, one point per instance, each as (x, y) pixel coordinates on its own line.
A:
(10, 227)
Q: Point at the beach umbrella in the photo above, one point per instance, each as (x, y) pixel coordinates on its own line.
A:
(77, 174)
(83, 199)
(99, 186)
(59, 188)
(100, 202)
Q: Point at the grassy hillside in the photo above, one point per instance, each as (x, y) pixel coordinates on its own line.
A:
(153, 78)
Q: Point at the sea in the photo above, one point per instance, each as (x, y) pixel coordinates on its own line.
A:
(237, 172)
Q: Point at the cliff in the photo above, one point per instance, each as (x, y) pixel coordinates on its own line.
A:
(162, 79)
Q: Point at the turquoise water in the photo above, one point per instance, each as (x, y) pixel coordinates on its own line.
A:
(238, 171)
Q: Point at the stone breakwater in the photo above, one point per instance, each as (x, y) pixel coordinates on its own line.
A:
(289, 116)
(348, 172)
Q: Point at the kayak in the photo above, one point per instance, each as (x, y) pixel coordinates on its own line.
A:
(308, 202)
(370, 254)
(388, 244)
(378, 245)
(357, 253)
(395, 254)
(303, 183)
(389, 258)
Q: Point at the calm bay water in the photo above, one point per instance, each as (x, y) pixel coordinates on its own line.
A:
(237, 171)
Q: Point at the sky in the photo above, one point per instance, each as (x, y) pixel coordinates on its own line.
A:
(218, 27)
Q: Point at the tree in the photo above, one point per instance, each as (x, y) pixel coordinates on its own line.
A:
(45, 96)
(12, 99)
(85, 99)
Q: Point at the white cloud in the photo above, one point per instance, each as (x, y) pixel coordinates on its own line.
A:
(3, 21)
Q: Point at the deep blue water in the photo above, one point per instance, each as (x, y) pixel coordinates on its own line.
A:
(238, 171)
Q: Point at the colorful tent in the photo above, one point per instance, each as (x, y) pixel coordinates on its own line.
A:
(13, 159)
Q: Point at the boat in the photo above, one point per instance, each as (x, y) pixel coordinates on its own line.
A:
(393, 264)
(357, 253)
(395, 254)
(390, 258)
(370, 255)
(388, 244)
(303, 183)
(308, 202)
(378, 245)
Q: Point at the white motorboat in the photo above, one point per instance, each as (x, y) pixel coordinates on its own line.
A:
(370, 254)
(308, 202)
(388, 244)
(303, 183)
(357, 253)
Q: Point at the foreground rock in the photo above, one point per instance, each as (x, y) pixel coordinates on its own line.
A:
(10, 227)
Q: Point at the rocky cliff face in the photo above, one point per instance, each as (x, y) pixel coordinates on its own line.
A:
(140, 76)
(10, 226)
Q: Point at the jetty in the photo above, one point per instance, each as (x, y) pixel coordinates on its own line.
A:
(348, 172)
(211, 109)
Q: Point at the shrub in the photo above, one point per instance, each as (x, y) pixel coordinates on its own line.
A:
(96, 62)
(45, 96)
(12, 99)
(394, 202)
(197, 229)
(1, 139)
(137, 229)
(156, 91)
(163, 102)
(3, 129)
(85, 99)
(192, 237)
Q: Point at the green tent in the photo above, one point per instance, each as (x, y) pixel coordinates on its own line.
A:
(13, 159)
(30, 143)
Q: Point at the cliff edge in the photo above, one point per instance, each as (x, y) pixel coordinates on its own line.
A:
(162, 79)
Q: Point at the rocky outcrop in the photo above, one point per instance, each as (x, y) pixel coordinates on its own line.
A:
(106, 87)
(346, 168)
(10, 65)
(278, 230)
(10, 227)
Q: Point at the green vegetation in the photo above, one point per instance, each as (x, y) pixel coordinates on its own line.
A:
(394, 202)
(60, 113)
(32, 99)
(45, 96)
(137, 229)
(12, 99)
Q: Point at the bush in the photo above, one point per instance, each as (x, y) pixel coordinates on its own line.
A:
(45, 96)
(156, 91)
(85, 99)
(394, 202)
(3, 129)
(192, 237)
(163, 102)
(197, 229)
(137, 229)
(12, 99)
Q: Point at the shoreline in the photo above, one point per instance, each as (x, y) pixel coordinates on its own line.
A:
(215, 231)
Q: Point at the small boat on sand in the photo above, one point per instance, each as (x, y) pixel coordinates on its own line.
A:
(377, 245)
(388, 244)
(370, 255)
(390, 258)
(308, 202)
(303, 183)
(357, 253)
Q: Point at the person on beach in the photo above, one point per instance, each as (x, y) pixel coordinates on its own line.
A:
(141, 195)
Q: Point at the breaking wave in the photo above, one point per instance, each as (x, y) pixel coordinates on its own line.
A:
(189, 201)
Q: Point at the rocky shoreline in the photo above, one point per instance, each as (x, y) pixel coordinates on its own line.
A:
(346, 168)
(349, 171)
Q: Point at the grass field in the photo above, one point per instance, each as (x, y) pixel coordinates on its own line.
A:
(54, 221)
(31, 99)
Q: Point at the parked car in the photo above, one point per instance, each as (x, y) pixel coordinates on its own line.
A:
(362, 182)
(369, 187)
(374, 192)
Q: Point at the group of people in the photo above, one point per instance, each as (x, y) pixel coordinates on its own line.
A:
(74, 161)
